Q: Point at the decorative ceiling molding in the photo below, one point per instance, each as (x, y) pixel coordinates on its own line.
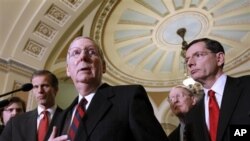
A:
(100, 20)
(147, 83)
(242, 58)
(34, 49)
(74, 4)
(14, 66)
(57, 15)
(45, 31)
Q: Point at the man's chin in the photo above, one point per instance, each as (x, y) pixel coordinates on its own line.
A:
(83, 81)
(42, 103)
(195, 77)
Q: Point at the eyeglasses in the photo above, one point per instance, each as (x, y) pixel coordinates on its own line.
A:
(172, 99)
(197, 56)
(76, 52)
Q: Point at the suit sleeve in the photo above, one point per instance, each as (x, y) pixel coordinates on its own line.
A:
(7, 132)
(143, 123)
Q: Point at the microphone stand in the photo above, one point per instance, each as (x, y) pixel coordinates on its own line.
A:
(25, 87)
(10, 92)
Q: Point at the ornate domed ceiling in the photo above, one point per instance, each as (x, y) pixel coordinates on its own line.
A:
(140, 41)
(138, 37)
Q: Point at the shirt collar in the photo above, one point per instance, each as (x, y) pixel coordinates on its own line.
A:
(218, 86)
(88, 97)
(51, 110)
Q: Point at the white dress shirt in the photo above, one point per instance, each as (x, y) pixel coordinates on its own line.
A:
(218, 88)
(51, 112)
(80, 97)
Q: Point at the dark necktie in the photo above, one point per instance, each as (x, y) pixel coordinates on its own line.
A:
(213, 115)
(79, 113)
(43, 126)
(184, 133)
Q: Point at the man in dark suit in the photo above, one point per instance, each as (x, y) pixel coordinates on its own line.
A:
(205, 60)
(25, 127)
(182, 99)
(113, 113)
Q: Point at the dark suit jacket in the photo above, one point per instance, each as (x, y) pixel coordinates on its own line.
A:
(235, 109)
(175, 135)
(116, 113)
(24, 127)
(1, 128)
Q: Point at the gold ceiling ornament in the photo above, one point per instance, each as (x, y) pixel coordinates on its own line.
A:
(181, 32)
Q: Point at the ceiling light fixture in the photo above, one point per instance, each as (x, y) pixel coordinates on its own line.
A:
(188, 80)
(181, 32)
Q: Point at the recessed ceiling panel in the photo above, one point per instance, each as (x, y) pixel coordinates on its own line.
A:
(130, 48)
(155, 5)
(130, 34)
(132, 16)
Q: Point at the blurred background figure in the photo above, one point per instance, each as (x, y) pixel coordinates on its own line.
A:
(182, 99)
(10, 108)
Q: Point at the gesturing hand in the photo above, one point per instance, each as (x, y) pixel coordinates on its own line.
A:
(59, 138)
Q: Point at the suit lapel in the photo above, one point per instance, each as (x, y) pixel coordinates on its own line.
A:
(196, 127)
(230, 97)
(202, 121)
(204, 124)
(65, 118)
(99, 105)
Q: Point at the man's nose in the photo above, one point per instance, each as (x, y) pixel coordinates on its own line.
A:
(83, 57)
(174, 100)
(190, 62)
(40, 89)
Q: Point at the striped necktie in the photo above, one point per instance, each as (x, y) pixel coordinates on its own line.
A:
(79, 113)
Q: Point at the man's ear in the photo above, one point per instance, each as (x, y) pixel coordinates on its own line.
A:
(56, 90)
(194, 100)
(220, 58)
(104, 67)
(67, 70)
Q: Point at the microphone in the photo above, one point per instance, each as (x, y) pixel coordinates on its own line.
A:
(25, 87)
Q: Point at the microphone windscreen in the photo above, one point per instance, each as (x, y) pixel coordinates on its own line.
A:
(4, 103)
(27, 87)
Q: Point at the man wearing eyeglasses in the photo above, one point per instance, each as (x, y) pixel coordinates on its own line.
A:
(108, 113)
(226, 101)
(10, 108)
(182, 99)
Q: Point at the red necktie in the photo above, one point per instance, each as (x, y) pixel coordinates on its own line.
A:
(213, 115)
(79, 113)
(43, 126)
